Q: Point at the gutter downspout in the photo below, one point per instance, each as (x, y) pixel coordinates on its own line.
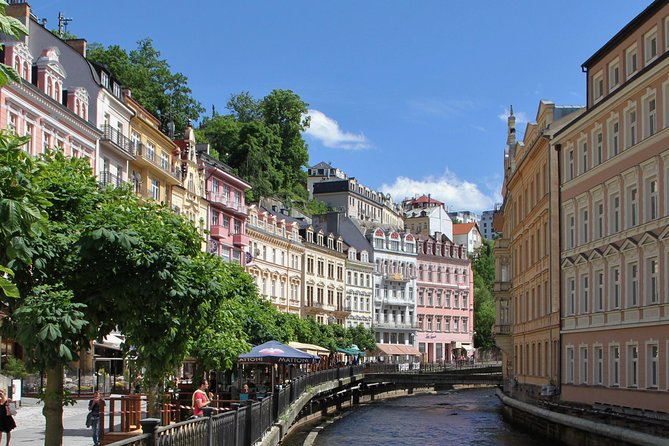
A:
(558, 354)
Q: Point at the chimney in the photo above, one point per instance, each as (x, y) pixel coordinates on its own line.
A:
(78, 44)
(19, 11)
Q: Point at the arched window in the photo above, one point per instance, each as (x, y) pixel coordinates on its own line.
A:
(17, 64)
(49, 87)
(26, 71)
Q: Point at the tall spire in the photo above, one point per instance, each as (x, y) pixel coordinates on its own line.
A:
(511, 128)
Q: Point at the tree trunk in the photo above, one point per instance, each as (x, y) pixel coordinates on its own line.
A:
(53, 407)
(153, 399)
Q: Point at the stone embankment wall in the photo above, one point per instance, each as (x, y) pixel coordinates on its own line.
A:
(570, 430)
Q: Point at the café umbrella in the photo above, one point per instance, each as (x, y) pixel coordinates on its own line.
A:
(274, 352)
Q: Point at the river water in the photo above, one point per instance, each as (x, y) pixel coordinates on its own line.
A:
(463, 417)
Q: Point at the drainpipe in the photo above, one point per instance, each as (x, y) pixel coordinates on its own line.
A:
(558, 353)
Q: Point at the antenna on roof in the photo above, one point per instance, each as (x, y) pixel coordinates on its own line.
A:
(62, 24)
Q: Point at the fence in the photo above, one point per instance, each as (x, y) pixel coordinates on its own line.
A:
(78, 384)
(240, 425)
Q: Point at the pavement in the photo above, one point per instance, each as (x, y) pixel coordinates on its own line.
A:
(31, 424)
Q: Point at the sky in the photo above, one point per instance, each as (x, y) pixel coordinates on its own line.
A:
(409, 97)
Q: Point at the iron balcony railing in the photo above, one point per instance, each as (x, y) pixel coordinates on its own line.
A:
(112, 135)
(109, 179)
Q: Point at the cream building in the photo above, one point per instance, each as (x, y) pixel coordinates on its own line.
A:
(277, 253)
(324, 285)
(614, 223)
(188, 198)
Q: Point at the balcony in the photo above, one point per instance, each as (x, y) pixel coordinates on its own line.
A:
(396, 277)
(219, 231)
(234, 206)
(502, 329)
(148, 157)
(240, 240)
(113, 139)
(396, 325)
(109, 179)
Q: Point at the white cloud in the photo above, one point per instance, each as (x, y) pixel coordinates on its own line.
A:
(327, 131)
(457, 194)
(521, 117)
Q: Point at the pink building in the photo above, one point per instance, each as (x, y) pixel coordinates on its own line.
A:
(614, 220)
(445, 305)
(227, 211)
(46, 105)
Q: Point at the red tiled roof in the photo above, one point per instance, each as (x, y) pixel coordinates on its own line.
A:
(425, 199)
(462, 228)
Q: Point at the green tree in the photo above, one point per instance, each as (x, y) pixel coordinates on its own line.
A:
(363, 337)
(9, 26)
(483, 266)
(23, 216)
(262, 140)
(153, 84)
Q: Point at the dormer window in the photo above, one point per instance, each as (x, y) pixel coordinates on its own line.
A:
(104, 79)
(330, 242)
(364, 256)
(320, 239)
(18, 56)
(310, 236)
(50, 73)
(340, 246)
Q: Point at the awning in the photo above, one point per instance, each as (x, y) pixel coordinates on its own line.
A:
(274, 352)
(110, 341)
(397, 349)
(351, 351)
(310, 348)
(466, 345)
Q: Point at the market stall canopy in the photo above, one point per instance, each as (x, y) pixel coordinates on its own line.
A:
(310, 348)
(397, 349)
(353, 351)
(274, 352)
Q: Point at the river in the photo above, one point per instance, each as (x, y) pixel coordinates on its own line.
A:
(463, 417)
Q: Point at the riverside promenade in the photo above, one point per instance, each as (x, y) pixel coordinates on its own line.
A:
(31, 424)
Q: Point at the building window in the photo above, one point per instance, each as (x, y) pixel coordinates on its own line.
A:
(570, 365)
(584, 226)
(631, 63)
(614, 138)
(614, 361)
(570, 165)
(571, 238)
(599, 299)
(650, 116)
(155, 190)
(614, 220)
(630, 128)
(615, 288)
(652, 366)
(633, 285)
(583, 150)
(583, 372)
(598, 378)
(598, 86)
(599, 148)
(633, 206)
(571, 297)
(650, 46)
(632, 366)
(599, 226)
(614, 75)
(585, 294)
(651, 280)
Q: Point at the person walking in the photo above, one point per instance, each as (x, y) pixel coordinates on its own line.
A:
(95, 406)
(7, 422)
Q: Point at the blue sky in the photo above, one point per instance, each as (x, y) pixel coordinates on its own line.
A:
(410, 97)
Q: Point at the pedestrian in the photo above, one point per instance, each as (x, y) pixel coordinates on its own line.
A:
(201, 398)
(6, 420)
(95, 406)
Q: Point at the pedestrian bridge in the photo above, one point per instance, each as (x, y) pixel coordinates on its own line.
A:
(437, 375)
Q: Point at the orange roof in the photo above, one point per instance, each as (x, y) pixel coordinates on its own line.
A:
(462, 228)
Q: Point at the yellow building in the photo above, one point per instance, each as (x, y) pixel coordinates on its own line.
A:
(154, 171)
(189, 197)
(527, 327)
